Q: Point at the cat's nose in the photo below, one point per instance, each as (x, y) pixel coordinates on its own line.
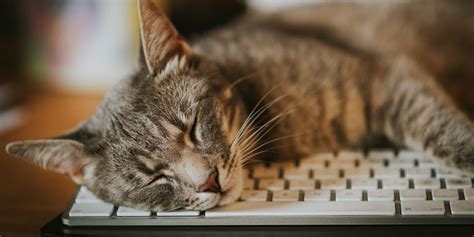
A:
(212, 184)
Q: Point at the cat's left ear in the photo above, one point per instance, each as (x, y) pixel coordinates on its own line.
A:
(60, 155)
(159, 39)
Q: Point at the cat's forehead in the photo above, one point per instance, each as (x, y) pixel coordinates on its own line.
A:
(179, 89)
(150, 107)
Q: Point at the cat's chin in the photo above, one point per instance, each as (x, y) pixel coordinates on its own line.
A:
(227, 199)
(231, 195)
(204, 201)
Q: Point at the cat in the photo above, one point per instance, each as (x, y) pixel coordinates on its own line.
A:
(176, 133)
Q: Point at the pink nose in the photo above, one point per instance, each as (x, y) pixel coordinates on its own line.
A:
(212, 184)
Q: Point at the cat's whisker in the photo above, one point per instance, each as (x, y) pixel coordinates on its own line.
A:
(259, 133)
(263, 109)
(254, 157)
(253, 161)
(274, 140)
(253, 154)
(241, 79)
(245, 123)
(270, 141)
(251, 114)
(250, 148)
(248, 136)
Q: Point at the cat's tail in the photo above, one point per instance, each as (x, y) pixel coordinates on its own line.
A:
(412, 110)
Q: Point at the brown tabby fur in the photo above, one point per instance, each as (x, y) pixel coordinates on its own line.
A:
(277, 86)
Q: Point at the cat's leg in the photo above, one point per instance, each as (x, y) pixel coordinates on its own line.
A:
(411, 109)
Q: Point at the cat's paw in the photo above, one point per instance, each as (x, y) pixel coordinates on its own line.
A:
(464, 162)
(458, 158)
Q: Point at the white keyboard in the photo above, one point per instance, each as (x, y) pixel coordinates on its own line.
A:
(347, 188)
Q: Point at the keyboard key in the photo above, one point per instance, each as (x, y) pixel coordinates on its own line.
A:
(333, 184)
(248, 183)
(427, 183)
(342, 164)
(304, 209)
(254, 195)
(245, 173)
(283, 165)
(387, 173)
(316, 161)
(401, 164)
(286, 196)
(357, 173)
(380, 195)
(428, 163)
(302, 184)
(85, 196)
(417, 173)
(469, 193)
(443, 173)
(321, 156)
(350, 155)
(127, 211)
(326, 174)
(445, 194)
(312, 163)
(381, 155)
(410, 155)
(395, 183)
(268, 173)
(364, 184)
(412, 194)
(91, 209)
(178, 213)
(458, 183)
(317, 195)
(349, 195)
(462, 207)
(375, 164)
(271, 184)
(256, 166)
(422, 208)
(299, 173)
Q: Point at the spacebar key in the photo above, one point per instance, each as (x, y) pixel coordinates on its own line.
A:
(379, 208)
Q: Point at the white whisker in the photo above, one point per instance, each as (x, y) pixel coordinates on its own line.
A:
(259, 133)
(250, 116)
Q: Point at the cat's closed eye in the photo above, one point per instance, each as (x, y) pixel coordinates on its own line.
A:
(193, 131)
(159, 178)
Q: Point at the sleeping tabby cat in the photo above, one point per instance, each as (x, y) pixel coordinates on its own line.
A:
(177, 132)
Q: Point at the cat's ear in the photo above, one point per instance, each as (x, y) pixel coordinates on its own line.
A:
(60, 155)
(159, 39)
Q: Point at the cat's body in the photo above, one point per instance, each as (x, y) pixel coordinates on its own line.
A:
(176, 133)
(345, 89)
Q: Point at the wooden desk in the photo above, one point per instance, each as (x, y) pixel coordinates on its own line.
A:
(30, 196)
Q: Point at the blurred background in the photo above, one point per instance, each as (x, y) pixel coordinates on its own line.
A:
(57, 58)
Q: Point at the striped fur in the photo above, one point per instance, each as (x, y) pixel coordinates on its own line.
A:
(267, 87)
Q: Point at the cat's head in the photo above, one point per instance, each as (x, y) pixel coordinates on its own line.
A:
(161, 139)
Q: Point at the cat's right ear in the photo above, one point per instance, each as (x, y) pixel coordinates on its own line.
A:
(159, 39)
(61, 155)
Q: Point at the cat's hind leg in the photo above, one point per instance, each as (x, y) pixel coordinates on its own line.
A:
(412, 110)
